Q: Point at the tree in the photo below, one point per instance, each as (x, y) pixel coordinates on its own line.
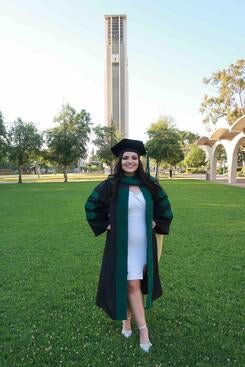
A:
(241, 155)
(196, 157)
(186, 139)
(228, 100)
(164, 142)
(221, 153)
(3, 134)
(44, 161)
(67, 142)
(106, 137)
(24, 142)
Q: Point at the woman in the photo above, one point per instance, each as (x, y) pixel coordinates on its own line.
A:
(131, 206)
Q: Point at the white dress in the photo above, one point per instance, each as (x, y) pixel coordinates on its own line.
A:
(137, 236)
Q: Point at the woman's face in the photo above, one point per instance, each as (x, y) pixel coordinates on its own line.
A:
(130, 163)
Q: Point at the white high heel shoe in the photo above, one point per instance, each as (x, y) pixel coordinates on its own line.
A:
(145, 346)
(127, 333)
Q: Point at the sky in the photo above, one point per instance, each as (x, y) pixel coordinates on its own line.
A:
(52, 52)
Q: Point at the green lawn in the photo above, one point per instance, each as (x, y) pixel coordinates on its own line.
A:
(50, 264)
(59, 177)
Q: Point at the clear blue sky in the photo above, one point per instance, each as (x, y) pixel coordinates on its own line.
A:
(52, 51)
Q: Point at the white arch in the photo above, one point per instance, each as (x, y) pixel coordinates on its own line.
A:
(231, 139)
(213, 166)
(232, 156)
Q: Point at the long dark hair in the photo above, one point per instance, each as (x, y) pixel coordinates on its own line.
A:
(152, 185)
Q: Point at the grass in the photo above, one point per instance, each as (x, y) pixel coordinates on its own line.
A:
(50, 264)
(59, 177)
(72, 177)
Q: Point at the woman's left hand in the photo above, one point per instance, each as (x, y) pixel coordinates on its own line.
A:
(153, 224)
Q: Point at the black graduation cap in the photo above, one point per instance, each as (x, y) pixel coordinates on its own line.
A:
(128, 145)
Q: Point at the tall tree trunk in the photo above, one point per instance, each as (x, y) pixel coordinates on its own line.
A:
(20, 174)
(78, 166)
(111, 167)
(65, 174)
(157, 166)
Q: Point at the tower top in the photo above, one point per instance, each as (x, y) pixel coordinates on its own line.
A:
(116, 15)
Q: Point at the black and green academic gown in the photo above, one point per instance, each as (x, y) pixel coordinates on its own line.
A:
(101, 211)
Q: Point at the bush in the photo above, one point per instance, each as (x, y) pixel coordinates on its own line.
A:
(220, 170)
(242, 172)
(196, 170)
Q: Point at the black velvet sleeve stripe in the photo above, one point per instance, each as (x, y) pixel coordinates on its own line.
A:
(97, 209)
(164, 204)
(162, 213)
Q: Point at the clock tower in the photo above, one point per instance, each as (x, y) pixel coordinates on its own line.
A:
(116, 72)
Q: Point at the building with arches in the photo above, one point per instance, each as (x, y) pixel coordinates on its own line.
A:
(231, 139)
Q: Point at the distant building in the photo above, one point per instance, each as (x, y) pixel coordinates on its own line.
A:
(116, 72)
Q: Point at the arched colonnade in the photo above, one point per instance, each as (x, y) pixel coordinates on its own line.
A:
(231, 139)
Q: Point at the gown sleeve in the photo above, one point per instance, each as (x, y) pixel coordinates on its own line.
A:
(97, 208)
(162, 213)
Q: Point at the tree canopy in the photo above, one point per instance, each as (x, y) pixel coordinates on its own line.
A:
(24, 141)
(187, 137)
(227, 99)
(67, 142)
(196, 157)
(105, 138)
(163, 144)
(3, 133)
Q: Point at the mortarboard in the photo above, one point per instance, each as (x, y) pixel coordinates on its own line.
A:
(129, 145)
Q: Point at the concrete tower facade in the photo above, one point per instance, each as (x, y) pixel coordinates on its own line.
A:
(116, 72)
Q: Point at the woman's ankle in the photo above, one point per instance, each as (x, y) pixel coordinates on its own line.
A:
(126, 324)
(144, 335)
(142, 327)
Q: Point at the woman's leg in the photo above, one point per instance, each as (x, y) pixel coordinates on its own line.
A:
(136, 303)
(127, 323)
